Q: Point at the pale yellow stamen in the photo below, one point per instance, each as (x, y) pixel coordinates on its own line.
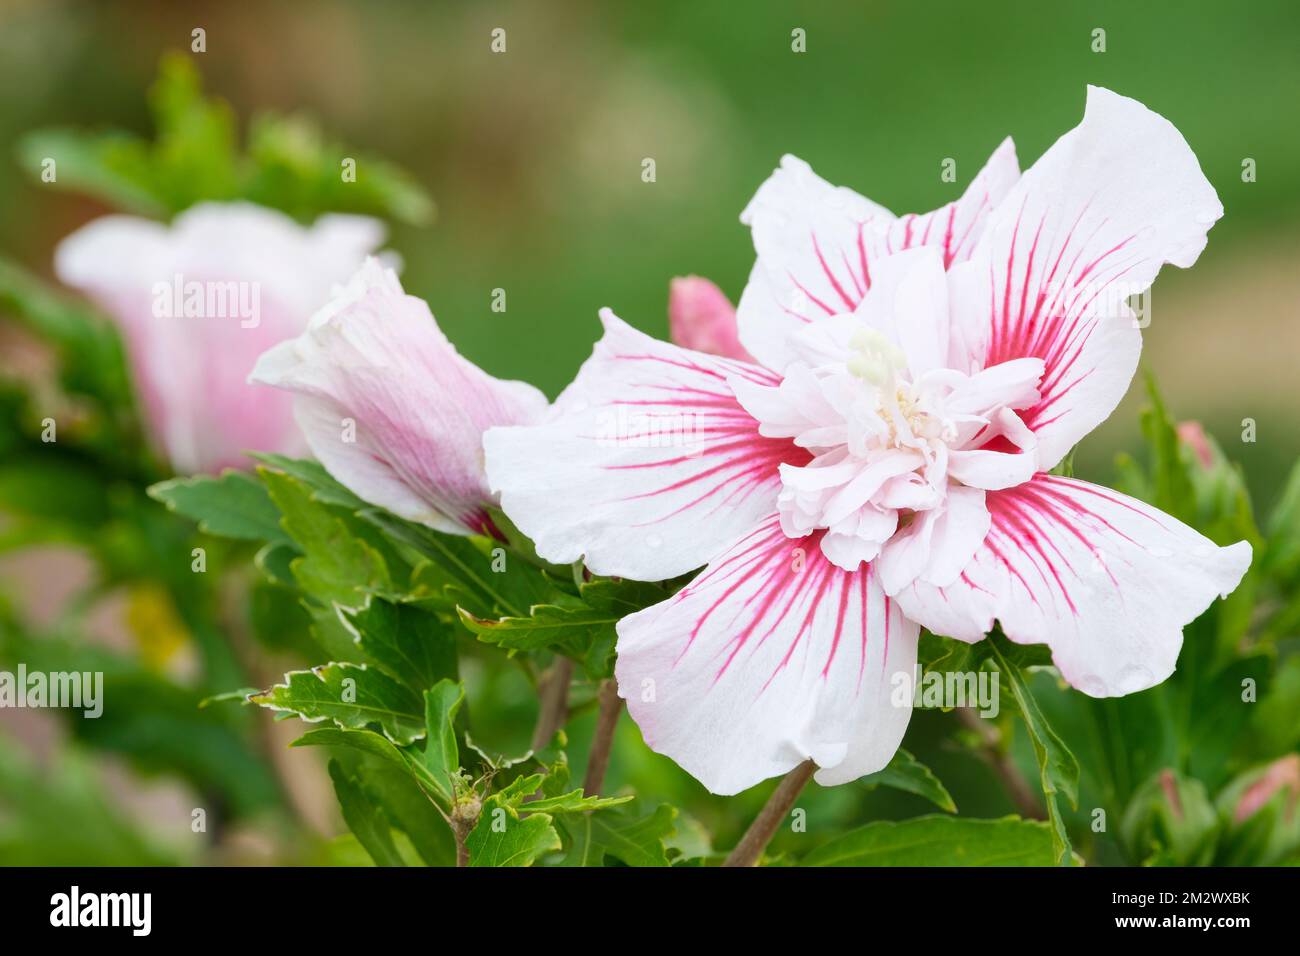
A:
(877, 360)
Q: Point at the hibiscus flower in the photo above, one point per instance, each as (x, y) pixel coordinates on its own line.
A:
(886, 467)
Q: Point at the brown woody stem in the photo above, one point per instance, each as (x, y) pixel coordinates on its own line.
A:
(553, 709)
(760, 832)
(611, 705)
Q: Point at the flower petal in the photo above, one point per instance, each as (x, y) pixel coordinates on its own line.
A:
(649, 467)
(702, 318)
(991, 467)
(1088, 226)
(938, 543)
(1107, 581)
(817, 246)
(770, 657)
(908, 302)
(391, 409)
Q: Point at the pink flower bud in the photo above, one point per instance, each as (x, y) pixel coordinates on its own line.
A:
(702, 318)
(1282, 774)
(1193, 436)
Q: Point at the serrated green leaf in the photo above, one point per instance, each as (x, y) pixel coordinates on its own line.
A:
(323, 486)
(336, 566)
(412, 645)
(233, 505)
(940, 841)
(573, 802)
(455, 564)
(371, 697)
(376, 745)
(907, 773)
(565, 629)
(581, 627)
(504, 838)
(620, 833)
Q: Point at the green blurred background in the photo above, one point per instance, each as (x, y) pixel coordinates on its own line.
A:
(534, 158)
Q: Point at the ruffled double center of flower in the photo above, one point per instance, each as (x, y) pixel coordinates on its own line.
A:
(889, 436)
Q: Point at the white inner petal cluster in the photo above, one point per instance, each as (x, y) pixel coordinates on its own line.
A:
(889, 437)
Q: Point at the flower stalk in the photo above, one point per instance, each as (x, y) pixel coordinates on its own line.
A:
(610, 707)
(553, 709)
(751, 846)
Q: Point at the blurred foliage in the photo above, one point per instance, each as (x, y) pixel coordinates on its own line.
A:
(75, 468)
(195, 157)
(36, 805)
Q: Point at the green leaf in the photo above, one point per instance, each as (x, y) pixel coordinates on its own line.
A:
(410, 809)
(504, 838)
(399, 783)
(907, 773)
(1058, 768)
(1170, 822)
(1171, 484)
(289, 165)
(38, 799)
(234, 505)
(940, 841)
(1065, 467)
(457, 573)
(574, 802)
(56, 492)
(567, 629)
(364, 818)
(619, 833)
(114, 166)
(298, 171)
(154, 723)
(1281, 557)
(441, 751)
(578, 627)
(411, 645)
(336, 566)
(517, 792)
(351, 695)
(311, 473)
(376, 745)
(90, 351)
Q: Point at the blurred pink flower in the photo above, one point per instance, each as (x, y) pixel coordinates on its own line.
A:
(198, 301)
(701, 317)
(391, 409)
(1282, 775)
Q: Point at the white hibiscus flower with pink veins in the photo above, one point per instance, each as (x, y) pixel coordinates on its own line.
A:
(886, 466)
